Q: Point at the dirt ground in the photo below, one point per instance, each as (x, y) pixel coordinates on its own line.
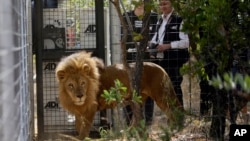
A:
(196, 128)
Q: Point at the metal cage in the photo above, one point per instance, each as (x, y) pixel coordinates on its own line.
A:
(61, 28)
(16, 84)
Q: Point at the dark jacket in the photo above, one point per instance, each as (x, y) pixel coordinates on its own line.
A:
(172, 29)
(137, 26)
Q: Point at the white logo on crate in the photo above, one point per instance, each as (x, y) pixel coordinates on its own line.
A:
(50, 66)
(90, 29)
(52, 105)
(49, 79)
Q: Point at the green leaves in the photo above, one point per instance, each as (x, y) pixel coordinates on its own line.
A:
(137, 36)
(117, 93)
(136, 98)
(230, 81)
(216, 28)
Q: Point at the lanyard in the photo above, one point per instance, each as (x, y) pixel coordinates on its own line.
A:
(158, 27)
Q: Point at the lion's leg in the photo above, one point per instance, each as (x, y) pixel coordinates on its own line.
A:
(84, 124)
(137, 113)
(169, 104)
(78, 124)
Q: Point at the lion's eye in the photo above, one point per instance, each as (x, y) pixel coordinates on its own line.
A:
(71, 86)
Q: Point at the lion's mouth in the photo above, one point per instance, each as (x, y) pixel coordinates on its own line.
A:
(79, 101)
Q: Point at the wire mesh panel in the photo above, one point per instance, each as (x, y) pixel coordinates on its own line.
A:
(71, 21)
(15, 91)
(54, 115)
(68, 27)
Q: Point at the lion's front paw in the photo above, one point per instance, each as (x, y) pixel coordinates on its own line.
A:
(81, 137)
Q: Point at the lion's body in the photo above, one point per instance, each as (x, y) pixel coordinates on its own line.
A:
(155, 83)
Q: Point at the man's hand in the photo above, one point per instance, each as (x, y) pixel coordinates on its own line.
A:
(163, 47)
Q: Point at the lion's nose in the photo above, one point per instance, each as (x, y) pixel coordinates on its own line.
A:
(79, 95)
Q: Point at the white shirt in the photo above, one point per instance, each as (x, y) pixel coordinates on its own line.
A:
(181, 44)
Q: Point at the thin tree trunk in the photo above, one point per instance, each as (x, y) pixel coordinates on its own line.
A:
(141, 47)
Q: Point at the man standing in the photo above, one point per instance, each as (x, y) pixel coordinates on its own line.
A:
(135, 17)
(172, 44)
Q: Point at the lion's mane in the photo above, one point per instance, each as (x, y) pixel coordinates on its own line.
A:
(79, 63)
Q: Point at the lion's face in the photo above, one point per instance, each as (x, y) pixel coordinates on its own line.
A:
(76, 87)
(78, 77)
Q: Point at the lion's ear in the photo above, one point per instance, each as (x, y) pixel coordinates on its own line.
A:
(86, 68)
(60, 75)
(99, 63)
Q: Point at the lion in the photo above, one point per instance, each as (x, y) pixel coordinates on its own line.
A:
(83, 78)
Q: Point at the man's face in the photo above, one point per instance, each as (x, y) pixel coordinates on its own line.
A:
(165, 6)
